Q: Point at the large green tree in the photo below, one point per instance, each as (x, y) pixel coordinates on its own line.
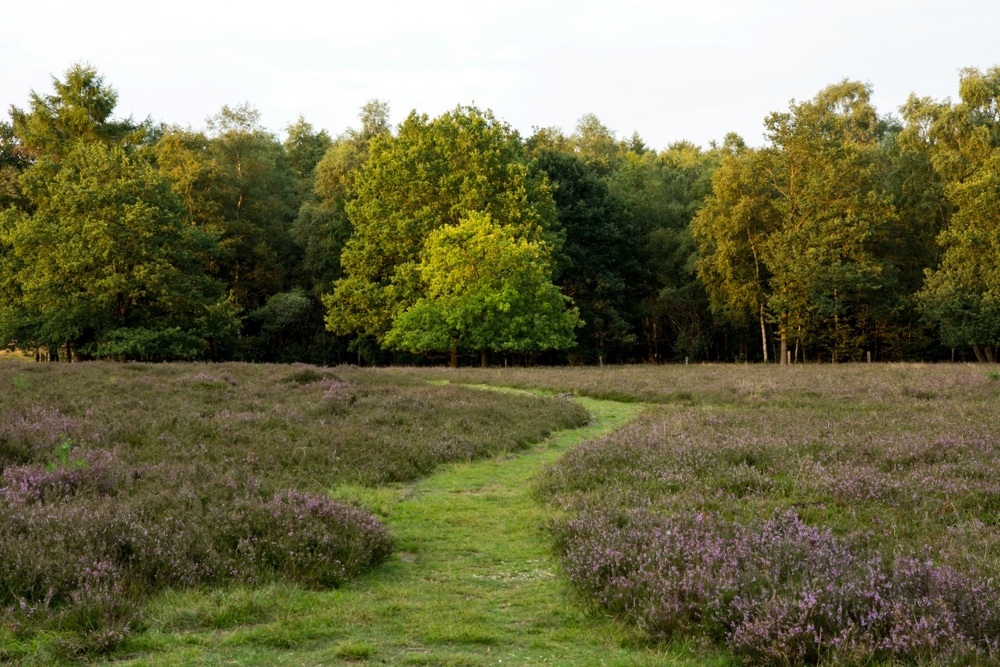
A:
(794, 232)
(661, 192)
(322, 227)
(485, 290)
(731, 231)
(81, 108)
(253, 190)
(103, 262)
(598, 266)
(433, 173)
(962, 294)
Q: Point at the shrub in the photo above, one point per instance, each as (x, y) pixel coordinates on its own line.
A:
(778, 593)
(83, 559)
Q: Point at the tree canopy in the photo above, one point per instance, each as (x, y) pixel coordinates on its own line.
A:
(431, 174)
(846, 235)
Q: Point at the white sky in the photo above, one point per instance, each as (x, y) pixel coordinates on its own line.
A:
(669, 70)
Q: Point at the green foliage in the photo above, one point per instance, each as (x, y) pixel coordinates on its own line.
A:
(962, 294)
(486, 289)
(80, 109)
(792, 232)
(847, 234)
(253, 193)
(13, 161)
(598, 267)
(431, 175)
(322, 228)
(662, 192)
(305, 147)
(104, 249)
(63, 449)
(142, 344)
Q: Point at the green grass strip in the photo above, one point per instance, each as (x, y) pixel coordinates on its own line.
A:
(472, 583)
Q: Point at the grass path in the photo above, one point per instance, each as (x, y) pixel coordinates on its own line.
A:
(472, 583)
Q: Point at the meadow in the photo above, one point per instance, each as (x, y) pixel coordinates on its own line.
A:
(236, 514)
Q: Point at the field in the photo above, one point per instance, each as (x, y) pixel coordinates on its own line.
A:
(239, 514)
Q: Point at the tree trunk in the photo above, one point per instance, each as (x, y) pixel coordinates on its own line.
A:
(69, 353)
(979, 354)
(453, 360)
(783, 360)
(485, 359)
(990, 357)
(763, 332)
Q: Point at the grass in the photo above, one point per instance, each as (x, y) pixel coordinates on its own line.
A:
(472, 582)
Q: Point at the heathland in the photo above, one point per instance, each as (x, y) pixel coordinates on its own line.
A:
(262, 514)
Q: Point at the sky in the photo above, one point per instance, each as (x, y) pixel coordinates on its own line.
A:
(668, 70)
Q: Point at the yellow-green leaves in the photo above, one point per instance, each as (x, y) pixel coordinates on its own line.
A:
(458, 181)
(485, 289)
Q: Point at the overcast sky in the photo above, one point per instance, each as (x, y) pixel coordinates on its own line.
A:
(668, 70)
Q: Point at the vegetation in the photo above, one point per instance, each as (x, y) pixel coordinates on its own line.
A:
(745, 515)
(848, 235)
(835, 515)
(120, 482)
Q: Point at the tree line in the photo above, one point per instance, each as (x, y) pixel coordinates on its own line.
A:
(847, 236)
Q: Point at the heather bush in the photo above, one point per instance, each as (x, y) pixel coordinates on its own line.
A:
(778, 592)
(89, 561)
(32, 433)
(92, 473)
(842, 515)
(318, 541)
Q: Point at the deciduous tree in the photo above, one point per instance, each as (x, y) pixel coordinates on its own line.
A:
(103, 252)
(962, 294)
(485, 289)
(433, 174)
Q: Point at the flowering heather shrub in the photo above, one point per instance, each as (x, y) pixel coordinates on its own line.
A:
(860, 468)
(318, 541)
(89, 559)
(32, 434)
(94, 473)
(778, 592)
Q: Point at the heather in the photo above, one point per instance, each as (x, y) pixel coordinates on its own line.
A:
(810, 515)
(118, 482)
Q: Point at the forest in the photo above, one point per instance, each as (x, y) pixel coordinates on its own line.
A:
(848, 235)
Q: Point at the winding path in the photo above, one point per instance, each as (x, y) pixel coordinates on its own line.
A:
(472, 583)
(472, 552)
